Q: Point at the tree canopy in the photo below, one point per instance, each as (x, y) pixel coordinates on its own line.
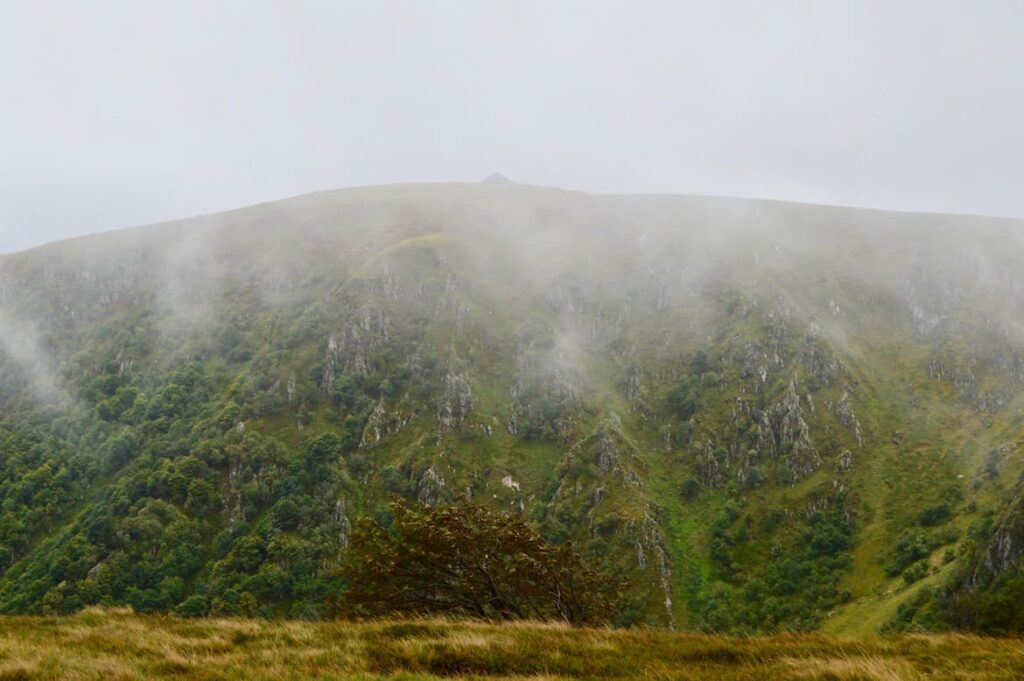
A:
(466, 559)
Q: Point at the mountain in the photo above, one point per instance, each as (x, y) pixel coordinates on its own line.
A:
(763, 415)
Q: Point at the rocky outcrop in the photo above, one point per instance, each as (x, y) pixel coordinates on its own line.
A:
(608, 455)
(819, 361)
(430, 486)
(344, 525)
(745, 467)
(632, 388)
(612, 457)
(454, 403)
(446, 296)
(375, 424)
(387, 284)
(843, 411)
(382, 422)
(601, 488)
(991, 401)
(290, 387)
(649, 545)
(986, 379)
(844, 462)
(783, 433)
(124, 361)
(1006, 545)
(757, 361)
(775, 328)
(960, 371)
(352, 348)
(712, 465)
(302, 416)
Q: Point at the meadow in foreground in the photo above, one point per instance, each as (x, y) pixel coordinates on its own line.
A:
(105, 644)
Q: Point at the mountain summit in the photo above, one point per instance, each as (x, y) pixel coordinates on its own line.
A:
(496, 178)
(760, 415)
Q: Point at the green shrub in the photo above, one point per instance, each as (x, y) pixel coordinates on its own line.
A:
(915, 572)
(935, 515)
(691, 488)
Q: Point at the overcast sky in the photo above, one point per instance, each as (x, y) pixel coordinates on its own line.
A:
(121, 113)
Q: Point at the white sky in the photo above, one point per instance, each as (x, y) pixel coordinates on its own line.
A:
(121, 113)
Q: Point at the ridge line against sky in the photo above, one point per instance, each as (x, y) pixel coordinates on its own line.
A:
(123, 114)
(440, 183)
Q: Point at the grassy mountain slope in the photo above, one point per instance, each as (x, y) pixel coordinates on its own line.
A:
(764, 415)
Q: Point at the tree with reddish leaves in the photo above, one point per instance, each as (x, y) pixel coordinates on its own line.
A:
(468, 560)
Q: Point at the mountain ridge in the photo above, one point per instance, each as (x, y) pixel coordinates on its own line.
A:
(323, 193)
(762, 415)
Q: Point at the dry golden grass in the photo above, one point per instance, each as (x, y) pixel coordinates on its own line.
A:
(116, 645)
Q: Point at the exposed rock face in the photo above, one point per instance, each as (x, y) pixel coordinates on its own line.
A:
(430, 486)
(757, 361)
(546, 396)
(743, 470)
(124, 361)
(111, 277)
(344, 524)
(375, 423)
(844, 414)
(352, 348)
(713, 465)
(985, 379)
(610, 467)
(782, 433)
(775, 328)
(647, 536)
(446, 297)
(991, 401)
(607, 455)
(510, 483)
(1006, 546)
(454, 403)
(956, 370)
(819, 361)
(386, 284)
(383, 422)
(844, 462)
(633, 386)
(610, 458)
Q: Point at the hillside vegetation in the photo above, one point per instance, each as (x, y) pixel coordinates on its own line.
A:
(92, 646)
(758, 416)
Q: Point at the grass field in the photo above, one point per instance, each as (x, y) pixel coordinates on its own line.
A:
(118, 645)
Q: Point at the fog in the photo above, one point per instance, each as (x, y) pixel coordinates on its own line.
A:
(117, 114)
(674, 316)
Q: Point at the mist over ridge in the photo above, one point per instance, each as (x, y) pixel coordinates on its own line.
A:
(715, 397)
